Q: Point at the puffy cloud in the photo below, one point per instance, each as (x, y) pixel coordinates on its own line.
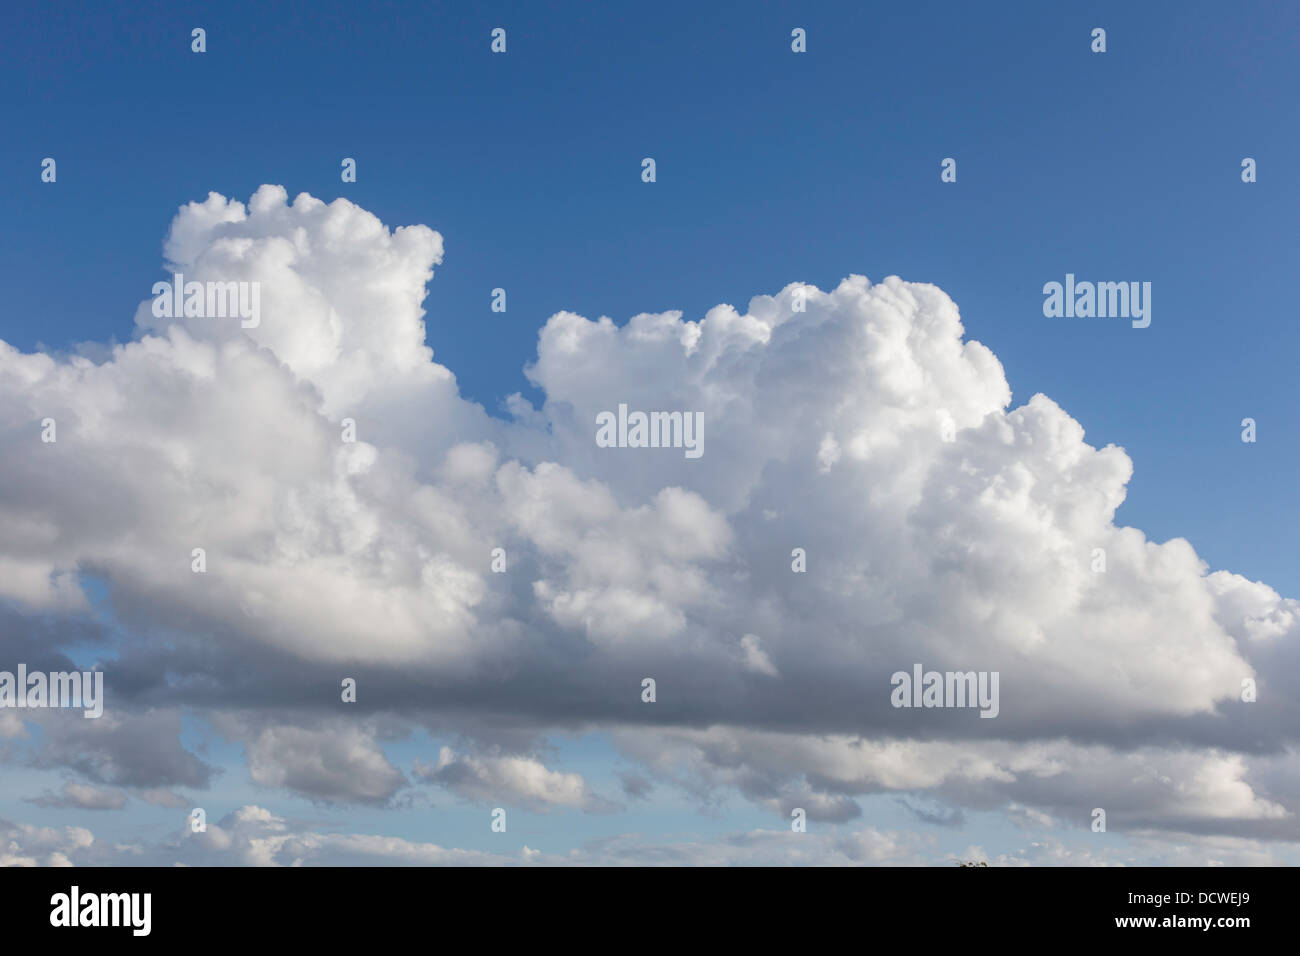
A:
(335, 761)
(340, 293)
(511, 779)
(754, 657)
(1152, 787)
(78, 796)
(942, 526)
(22, 844)
(123, 747)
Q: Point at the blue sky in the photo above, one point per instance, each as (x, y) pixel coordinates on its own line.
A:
(771, 168)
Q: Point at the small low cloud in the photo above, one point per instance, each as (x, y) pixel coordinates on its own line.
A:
(510, 780)
(80, 796)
